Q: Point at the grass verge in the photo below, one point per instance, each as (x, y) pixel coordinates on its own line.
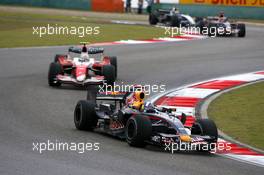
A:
(16, 29)
(239, 113)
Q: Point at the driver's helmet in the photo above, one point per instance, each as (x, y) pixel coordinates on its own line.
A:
(174, 10)
(138, 102)
(149, 107)
(221, 14)
(84, 56)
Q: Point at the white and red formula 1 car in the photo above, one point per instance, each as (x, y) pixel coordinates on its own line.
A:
(82, 70)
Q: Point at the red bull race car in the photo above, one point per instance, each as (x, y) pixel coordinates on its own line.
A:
(81, 69)
(125, 115)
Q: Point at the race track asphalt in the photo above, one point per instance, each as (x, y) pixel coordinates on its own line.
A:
(31, 111)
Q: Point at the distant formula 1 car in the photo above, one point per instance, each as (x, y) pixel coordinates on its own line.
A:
(126, 116)
(221, 26)
(82, 70)
(170, 18)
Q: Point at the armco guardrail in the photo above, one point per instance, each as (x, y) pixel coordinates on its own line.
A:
(246, 9)
(63, 4)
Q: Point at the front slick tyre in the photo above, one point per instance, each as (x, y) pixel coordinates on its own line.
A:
(207, 127)
(138, 130)
(242, 30)
(175, 22)
(54, 70)
(85, 116)
(153, 19)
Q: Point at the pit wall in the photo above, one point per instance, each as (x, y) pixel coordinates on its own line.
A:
(61, 4)
(244, 9)
(89, 5)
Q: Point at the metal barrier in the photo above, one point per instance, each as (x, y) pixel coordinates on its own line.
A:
(244, 9)
(63, 4)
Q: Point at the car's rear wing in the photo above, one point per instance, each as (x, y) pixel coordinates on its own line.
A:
(94, 94)
(163, 10)
(91, 50)
(112, 96)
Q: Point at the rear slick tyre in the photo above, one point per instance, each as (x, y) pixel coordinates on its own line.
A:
(85, 116)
